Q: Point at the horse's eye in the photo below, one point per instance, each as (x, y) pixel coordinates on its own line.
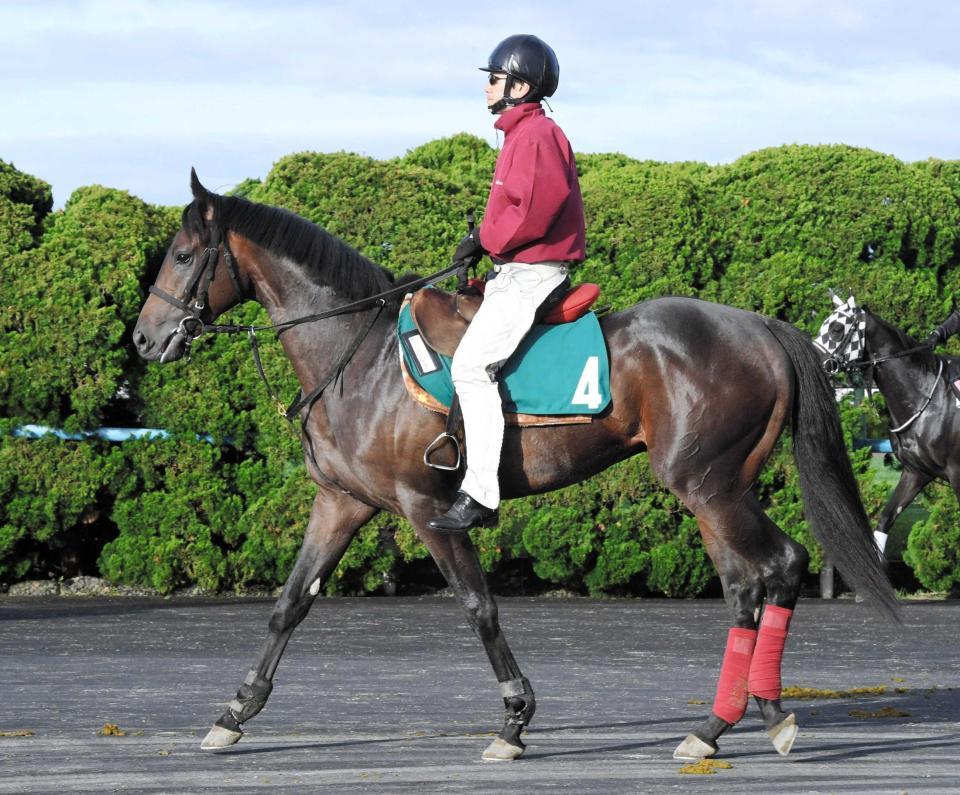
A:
(836, 331)
(183, 257)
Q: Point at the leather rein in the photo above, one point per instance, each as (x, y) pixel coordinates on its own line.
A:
(197, 289)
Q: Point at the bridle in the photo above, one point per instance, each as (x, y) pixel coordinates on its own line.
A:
(197, 288)
(837, 361)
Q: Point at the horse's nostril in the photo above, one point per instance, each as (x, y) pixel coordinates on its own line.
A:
(140, 340)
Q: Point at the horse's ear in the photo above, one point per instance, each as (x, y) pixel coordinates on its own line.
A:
(201, 196)
(836, 301)
(852, 302)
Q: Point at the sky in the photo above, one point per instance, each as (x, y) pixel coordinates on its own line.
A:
(132, 93)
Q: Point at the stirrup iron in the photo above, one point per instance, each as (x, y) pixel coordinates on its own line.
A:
(436, 444)
(454, 416)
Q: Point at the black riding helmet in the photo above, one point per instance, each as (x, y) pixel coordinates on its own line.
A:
(527, 58)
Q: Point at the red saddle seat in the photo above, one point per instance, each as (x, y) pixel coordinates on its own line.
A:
(575, 304)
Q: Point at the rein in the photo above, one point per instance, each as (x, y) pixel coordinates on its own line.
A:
(926, 403)
(198, 286)
(863, 364)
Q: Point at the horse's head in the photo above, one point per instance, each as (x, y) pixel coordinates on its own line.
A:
(197, 282)
(842, 335)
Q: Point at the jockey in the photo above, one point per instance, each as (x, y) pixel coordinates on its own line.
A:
(533, 228)
(945, 330)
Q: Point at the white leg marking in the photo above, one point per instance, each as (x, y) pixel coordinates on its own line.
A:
(218, 737)
(501, 751)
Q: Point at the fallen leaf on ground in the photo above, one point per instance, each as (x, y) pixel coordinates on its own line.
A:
(886, 712)
(813, 692)
(705, 767)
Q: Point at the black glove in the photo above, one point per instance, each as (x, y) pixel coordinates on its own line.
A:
(935, 338)
(470, 250)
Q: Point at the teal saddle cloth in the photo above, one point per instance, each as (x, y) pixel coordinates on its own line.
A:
(561, 369)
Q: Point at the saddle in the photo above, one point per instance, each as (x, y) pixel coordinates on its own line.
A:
(442, 318)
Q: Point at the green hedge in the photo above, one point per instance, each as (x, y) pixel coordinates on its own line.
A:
(769, 232)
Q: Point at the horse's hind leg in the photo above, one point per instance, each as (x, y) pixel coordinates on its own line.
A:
(457, 560)
(334, 519)
(756, 562)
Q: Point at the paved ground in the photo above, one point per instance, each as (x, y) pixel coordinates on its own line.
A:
(395, 695)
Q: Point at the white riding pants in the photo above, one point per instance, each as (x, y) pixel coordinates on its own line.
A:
(510, 302)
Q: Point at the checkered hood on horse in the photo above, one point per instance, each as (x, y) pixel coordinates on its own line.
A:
(842, 335)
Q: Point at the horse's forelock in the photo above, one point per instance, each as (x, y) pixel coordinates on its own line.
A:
(193, 221)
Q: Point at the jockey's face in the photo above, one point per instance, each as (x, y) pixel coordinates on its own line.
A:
(495, 85)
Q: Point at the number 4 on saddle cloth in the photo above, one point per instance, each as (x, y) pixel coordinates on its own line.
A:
(559, 374)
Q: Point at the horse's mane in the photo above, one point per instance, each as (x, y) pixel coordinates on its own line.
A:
(902, 337)
(326, 258)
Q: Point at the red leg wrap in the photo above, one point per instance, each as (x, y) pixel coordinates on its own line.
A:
(731, 700)
(765, 668)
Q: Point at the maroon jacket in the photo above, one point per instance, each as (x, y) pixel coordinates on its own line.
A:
(535, 211)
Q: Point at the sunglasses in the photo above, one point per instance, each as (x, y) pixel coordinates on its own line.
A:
(494, 79)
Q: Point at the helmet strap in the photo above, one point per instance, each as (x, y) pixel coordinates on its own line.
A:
(506, 101)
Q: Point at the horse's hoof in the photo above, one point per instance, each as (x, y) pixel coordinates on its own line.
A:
(502, 751)
(219, 737)
(783, 734)
(693, 749)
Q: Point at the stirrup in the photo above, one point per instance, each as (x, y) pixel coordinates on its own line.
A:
(435, 445)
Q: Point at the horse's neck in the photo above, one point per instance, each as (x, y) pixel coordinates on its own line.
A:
(904, 381)
(287, 293)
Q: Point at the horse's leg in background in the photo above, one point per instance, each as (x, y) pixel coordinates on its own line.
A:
(756, 561)
(457, 559)
(334, 519)
(911, 483)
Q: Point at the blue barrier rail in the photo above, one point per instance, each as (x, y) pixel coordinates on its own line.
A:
(126, 434)
(109, 434)
(876, 445)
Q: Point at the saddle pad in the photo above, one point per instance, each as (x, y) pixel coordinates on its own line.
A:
(561, 369)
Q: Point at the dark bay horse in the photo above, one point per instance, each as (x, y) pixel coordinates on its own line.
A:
(705, 389)
(925, 434)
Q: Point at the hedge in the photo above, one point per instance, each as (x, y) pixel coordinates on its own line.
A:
(769, 232)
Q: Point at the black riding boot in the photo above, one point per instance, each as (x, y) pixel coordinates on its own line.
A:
(465, 513)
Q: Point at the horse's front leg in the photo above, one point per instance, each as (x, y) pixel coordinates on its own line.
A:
(334, 520)
(911, 483)
(458, 562)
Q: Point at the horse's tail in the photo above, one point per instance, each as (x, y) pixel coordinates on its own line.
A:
(831, 498)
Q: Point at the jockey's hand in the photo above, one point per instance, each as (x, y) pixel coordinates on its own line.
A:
(470, 250)
(935, 338)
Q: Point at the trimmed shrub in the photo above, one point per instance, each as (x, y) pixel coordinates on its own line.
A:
(769, 232)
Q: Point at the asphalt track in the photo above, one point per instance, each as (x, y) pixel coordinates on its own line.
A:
(396, 695)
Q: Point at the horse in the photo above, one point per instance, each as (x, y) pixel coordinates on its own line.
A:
(925, 436)
(704, 389)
